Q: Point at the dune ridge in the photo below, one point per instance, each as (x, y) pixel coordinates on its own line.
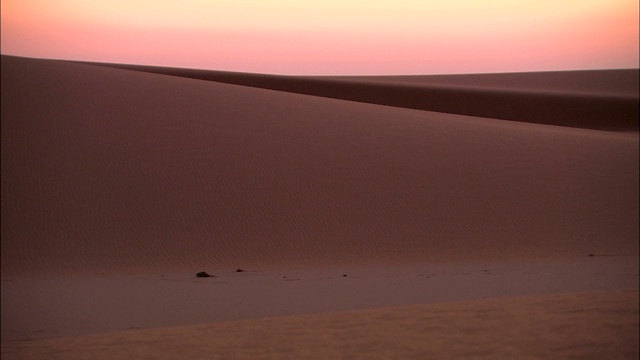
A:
(105, 169)
(594, 99)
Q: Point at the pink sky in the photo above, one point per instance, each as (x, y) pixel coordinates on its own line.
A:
(330, 37)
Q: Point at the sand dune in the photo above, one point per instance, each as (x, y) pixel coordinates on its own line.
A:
(106, 169)
(119, 184)
(595, 99)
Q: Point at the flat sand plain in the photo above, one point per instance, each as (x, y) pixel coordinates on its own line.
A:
(119, 184)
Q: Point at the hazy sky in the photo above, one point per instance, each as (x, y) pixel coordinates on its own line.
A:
(330, 36)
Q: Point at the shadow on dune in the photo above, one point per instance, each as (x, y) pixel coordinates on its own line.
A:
(592, 99)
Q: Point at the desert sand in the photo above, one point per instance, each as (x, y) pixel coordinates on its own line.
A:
(495, 227)
(600, 326)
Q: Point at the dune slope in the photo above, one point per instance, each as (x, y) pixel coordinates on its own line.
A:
(106, 169)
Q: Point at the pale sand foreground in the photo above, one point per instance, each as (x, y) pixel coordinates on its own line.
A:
(49, 306)
(573, 326)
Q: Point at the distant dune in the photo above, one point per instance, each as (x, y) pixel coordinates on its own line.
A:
(108, 169)
(594, 99)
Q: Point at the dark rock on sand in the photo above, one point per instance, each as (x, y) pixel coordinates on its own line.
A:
(202, 274)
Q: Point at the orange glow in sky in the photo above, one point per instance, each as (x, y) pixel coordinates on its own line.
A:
(330, 37)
